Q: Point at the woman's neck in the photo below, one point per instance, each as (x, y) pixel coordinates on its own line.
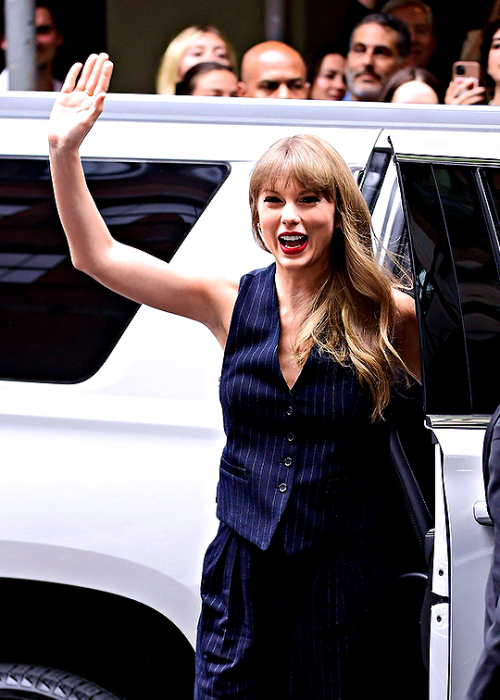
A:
(295, 290)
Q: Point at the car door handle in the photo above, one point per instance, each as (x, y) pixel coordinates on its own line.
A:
(481, 514)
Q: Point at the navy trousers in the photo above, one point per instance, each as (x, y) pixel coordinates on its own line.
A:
(303, 626)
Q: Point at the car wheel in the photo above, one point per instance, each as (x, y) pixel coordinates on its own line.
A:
(26, 682)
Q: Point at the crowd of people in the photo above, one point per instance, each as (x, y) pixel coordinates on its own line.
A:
(389, 56)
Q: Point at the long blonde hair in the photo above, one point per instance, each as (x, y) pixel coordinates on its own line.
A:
(168, 72)
(352, 315)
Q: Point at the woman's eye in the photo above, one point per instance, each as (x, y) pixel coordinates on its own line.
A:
(271, 200)
(312, 199)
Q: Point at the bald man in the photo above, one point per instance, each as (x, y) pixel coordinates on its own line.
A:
(274, 69)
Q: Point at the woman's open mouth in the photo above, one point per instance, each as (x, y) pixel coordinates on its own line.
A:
(292, 243)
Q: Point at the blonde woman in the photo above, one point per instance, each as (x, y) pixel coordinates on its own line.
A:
(197, 44)
(299, 580)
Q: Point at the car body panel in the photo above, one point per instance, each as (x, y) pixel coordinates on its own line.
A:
(110, 482)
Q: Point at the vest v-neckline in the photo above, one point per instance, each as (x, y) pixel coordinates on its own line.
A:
(297, 378)
(276, 348)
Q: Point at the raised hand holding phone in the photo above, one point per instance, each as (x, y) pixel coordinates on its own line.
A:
(465, 88)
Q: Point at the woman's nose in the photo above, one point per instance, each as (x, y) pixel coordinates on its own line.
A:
(290, 214)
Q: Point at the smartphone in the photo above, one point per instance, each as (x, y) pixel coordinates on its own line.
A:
(467, 69)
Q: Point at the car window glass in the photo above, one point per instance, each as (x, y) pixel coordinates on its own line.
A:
(442, 337)
(58, 324)
(457, 284)
(477, 280)
(491, 179)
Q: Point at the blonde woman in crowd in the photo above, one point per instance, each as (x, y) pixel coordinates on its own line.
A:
(196, 44)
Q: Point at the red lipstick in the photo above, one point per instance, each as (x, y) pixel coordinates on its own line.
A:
(293, 243)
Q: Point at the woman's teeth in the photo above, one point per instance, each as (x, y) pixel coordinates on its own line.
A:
(292, 241)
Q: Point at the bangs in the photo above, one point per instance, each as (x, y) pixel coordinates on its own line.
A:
(293, 168)
(295, 163)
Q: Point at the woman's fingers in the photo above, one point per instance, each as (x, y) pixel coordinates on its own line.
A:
(70, 81)
(105, 77)
(86, 73)
(95, 75)
(474, 97)
(464, 92)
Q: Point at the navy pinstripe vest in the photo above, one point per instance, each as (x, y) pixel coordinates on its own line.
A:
(307, 458)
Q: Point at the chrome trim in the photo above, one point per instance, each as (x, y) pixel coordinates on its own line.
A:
(475, 421)
(447, 160)
(252, 111)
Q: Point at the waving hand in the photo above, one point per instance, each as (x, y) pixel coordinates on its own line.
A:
(80, 101)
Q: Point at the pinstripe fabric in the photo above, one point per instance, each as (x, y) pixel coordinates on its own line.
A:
(297, 583)
(304, 455)
(313, 625)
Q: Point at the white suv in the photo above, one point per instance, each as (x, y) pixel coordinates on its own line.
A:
(110, 426)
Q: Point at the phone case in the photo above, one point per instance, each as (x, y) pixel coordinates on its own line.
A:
(466, 69)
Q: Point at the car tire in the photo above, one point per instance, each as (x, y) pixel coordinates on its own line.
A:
(26, 682)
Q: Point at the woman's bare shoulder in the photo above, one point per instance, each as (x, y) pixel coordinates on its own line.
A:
(405, 304)
(406, 331)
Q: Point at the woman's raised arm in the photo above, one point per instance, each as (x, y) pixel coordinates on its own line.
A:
(124, 269)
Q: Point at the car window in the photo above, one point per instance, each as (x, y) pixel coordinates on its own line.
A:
(58, 324)
(491, 182)
(453, 242)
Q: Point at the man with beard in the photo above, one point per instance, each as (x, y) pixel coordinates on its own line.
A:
(379, 46)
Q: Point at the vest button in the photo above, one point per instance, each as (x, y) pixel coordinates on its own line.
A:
(288, 462)
(289, 410)
(290, 437)
(282, 488)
